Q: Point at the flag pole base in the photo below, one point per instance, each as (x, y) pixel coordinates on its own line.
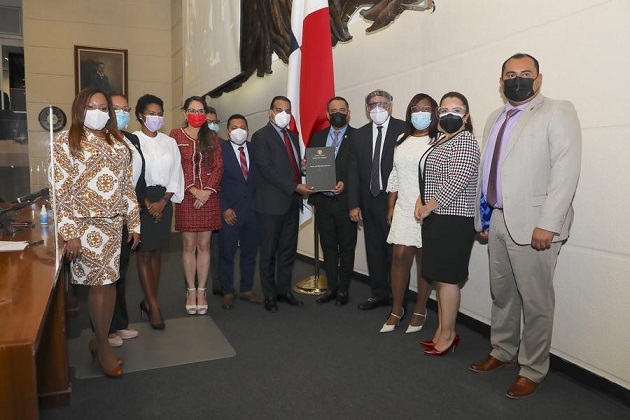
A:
(312, 285)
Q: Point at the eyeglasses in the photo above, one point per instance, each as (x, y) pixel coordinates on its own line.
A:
(122, 108)
(213, 121)
(455, 110)
(196, 111)
(101, 107)
(421, 109)
(380, 104)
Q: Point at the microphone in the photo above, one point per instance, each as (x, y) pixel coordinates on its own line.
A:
(16, 207)
(33, 196)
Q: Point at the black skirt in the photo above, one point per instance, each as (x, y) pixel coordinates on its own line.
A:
(446, 246)
(155, 235)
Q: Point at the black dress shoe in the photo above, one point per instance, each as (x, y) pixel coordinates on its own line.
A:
(271, 305)
(342, 297)
(326, 297)
(373, 302)
(217, 292)
(290, 299)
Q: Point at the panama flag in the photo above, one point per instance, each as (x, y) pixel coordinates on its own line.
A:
(311, 80)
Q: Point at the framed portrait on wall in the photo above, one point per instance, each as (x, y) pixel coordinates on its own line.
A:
(102, 67)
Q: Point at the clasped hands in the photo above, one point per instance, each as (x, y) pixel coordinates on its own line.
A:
(201, 197)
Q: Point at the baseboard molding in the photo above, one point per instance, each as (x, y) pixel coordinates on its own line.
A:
(585, 377)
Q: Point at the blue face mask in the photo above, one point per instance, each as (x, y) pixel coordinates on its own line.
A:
(421, 120)
(122, 119)
(213, 127)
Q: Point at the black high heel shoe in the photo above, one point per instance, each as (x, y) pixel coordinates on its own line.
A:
(160, 325)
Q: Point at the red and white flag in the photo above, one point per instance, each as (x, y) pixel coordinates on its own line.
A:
(311, 78)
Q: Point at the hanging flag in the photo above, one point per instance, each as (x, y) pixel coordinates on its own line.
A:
(311, 78)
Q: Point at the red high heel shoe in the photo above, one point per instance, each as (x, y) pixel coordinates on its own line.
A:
(112, 372)
(433, 352)
(428, 344)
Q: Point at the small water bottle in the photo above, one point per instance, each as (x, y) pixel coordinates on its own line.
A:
(43, 216)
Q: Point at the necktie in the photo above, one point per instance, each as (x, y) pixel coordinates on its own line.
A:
(294, 167)
(243, 159)
(375, 175)
(336, 141)
(491, 191)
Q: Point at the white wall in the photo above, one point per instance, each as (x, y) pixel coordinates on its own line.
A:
(582, 48)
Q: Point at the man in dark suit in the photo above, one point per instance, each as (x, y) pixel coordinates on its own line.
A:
(277, 201)
(338, 234)
(370, 163)
(239, 225)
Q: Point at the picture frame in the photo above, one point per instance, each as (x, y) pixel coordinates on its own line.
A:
(102, 67)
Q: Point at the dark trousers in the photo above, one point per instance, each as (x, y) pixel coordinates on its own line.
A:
(244, 234)
(377, 250)
(278, 247)
(338, 237)
(120, 319)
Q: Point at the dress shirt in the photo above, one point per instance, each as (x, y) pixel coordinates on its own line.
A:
(492, 139)
(330, 140)
(295, 152)
(383, 134)
(237, 153)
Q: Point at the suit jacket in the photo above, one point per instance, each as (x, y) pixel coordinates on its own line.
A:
(360, 161)
(341, 164)
(236, 193)
(275, 187)
(141, 185)
(540, 169)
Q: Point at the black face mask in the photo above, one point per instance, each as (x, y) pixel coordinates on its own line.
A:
(518, 89)
(338, 119)
(450, 123)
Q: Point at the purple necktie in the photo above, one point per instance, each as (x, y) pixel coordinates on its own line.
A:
(491, 191)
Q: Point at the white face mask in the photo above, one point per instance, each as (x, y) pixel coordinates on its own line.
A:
(282, 119)
(95, 119)
(379, 115)
(238, 136)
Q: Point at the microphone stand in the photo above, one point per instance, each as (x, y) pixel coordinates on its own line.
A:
(9, 224)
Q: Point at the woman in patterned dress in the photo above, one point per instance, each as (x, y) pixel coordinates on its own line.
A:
(94, 196)
(446, 208)
(199, 212)
(406, 233)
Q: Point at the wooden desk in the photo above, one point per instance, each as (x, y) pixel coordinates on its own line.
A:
(33, 347)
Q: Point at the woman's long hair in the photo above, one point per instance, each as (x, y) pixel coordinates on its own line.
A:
(207, 140)
(77, 129)
(409, 128)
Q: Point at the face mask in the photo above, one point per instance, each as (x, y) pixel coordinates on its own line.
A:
(379, 115)
(238, 136)
(95, 119)
(338, 119)
(122, 119)
(421, 120)
(195, 120)
(282, 119)
(518, 89)
(153, 122)
(450, 122)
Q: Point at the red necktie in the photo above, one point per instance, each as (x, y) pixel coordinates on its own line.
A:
(491, 191)
(294, 167)
(243, 162)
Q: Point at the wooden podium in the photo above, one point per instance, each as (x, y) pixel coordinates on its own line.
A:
(33, 346)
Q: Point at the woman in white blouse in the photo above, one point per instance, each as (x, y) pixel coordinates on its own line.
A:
(165, 183)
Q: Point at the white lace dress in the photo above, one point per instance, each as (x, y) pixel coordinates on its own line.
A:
(405, 230)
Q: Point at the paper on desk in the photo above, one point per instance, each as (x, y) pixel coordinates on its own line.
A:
(8, 246)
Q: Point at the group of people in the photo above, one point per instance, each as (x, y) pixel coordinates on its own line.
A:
(421, 187)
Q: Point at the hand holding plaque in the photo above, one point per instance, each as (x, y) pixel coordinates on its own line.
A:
(320, 168)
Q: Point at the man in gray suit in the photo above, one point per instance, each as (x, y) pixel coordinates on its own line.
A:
(529, 173)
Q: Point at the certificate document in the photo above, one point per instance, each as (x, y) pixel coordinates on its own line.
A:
(320, 168)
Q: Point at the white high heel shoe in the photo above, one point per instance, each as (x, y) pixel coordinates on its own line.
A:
(412, 329)
(202, 309)
(389, 328)
(191, 309)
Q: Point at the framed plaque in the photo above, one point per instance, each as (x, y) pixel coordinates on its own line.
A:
(320, 168)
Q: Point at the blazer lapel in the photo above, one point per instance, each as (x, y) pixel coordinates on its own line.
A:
(528, 113)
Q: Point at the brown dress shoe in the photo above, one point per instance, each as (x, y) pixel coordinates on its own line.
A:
(251, 297)
(522, 388)
(227, 302)
(489, 364)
